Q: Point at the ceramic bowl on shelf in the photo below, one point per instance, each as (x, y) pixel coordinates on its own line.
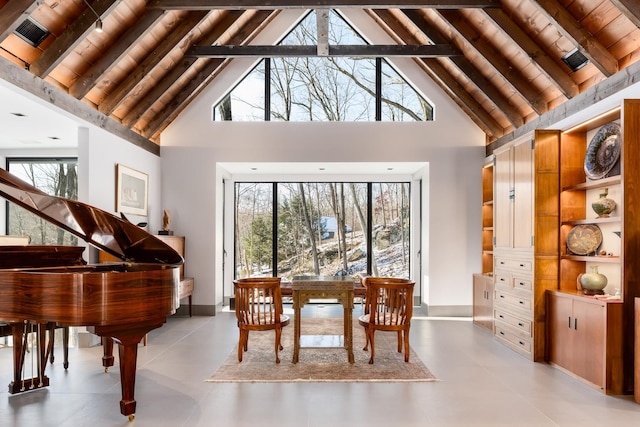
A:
(584, 239)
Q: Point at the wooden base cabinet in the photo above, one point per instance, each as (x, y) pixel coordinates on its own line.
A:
(585, 339)
(483, 300)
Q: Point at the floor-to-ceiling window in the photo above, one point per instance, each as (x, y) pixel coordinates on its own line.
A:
(54, 176)
(322, 228)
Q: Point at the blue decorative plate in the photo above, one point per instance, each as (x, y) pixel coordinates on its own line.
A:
(603, 152)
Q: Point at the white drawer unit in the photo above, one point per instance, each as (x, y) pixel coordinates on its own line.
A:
(513, 302)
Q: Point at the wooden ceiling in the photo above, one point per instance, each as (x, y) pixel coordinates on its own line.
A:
(501, 60)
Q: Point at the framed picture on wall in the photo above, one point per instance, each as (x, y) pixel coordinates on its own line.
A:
(132, 191)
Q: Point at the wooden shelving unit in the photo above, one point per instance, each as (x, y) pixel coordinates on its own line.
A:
(483, 282)
(611, 347)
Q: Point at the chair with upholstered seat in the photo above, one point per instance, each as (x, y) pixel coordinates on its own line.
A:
(388, 307)
(259, 308)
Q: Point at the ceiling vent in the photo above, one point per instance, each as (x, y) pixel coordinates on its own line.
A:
(575, 60)
(32, 32)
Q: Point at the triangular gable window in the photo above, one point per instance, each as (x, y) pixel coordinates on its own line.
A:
(323, 88)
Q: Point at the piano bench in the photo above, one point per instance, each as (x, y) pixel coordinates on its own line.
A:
(186, 289)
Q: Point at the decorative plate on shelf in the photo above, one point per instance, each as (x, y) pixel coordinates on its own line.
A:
(584, 239)
(603, 152)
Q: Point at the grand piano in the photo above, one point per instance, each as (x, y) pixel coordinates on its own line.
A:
(120, 301)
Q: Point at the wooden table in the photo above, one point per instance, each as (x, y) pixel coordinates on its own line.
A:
(306, 288)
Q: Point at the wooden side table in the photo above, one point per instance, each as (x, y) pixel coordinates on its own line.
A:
(306, 288)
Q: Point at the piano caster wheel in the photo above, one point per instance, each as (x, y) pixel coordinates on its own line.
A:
(131, 417)
(106, 370)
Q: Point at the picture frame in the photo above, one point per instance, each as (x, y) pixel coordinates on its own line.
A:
(132, 191)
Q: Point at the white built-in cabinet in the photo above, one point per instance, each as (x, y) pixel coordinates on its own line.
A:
(513, 247)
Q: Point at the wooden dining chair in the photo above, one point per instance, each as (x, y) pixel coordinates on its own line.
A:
(388, 307)
(259, 308)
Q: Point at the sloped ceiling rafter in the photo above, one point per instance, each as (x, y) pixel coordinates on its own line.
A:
(243, 34)
(508, 73)
(433, 67)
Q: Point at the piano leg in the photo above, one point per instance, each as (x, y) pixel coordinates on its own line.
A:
(107, 353)
(128, 337)
(65, 345)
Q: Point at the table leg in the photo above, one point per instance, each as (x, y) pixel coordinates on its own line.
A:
(296, 333)
(348, 333)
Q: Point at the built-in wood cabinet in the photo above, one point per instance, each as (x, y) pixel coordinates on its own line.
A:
(483, 300)
(487, 218)
(586, 339)
(483, 282)
(616, 257)
(513, 303)
(513, 197)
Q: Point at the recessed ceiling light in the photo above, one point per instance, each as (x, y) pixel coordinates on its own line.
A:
(19, 114)
(389, 169)
(55, 138)
(254, 169)
(321, 169)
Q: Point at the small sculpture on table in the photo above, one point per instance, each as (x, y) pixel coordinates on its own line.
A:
(166, 221)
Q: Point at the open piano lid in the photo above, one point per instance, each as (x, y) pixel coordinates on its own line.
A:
(101, 229)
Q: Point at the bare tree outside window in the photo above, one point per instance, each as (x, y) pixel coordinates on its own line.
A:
(322, 229)
(323, 88)
(57, 177)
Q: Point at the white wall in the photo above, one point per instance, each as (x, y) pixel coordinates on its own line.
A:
(98, 153)
(452, 146)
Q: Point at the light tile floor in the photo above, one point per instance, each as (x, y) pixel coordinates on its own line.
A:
(482, 384)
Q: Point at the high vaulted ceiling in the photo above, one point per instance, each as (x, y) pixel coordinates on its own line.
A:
(501, 61)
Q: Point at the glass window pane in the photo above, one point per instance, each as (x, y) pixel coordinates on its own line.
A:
(323, 88)
(400, 101)
(253, 233)
(320, 229)
(246, 101)
(391, 230)
(57, 177)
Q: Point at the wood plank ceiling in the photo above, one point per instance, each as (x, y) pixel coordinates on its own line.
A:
(140, 73)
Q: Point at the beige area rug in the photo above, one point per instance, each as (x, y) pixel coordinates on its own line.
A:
(321, 364)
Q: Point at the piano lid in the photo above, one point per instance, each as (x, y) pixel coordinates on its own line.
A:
(101, 229)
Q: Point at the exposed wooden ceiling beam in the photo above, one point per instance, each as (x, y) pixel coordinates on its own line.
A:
(544, 62)
(155, 56)
(492, 94)
(501, 64)
(115, 53)
(292, 4)
(442, 77)
(195, 84)
(630, 9)
(52, 95)
(72, 36)
(13, 13)
(569, 27)
(589, 97)
(366, 51)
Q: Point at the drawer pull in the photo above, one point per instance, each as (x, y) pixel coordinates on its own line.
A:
(501, 316)
(502, 279)
(501, 296)
(521, 283)
(520, 342)
(521, 302)
(521, 265)
(501, 333)
(520, 324)
(501, 262)
(569, 322)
